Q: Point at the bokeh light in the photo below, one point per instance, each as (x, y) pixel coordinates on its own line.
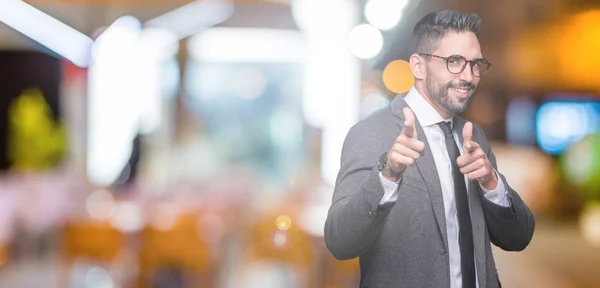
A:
(559, 124)
(164, 216)
(283, 222)
(99, 277)
(100, 204)
(590, 217)
(384, 14)
(568, 64)
(520, 122)
(280, 239)
(128, 217)
(251, 83)
(365, 41)
(398, 77)
(581, 165)
(373, 100)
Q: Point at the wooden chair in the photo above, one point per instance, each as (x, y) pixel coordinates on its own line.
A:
(180, 247)
(95, 241)
(291, 247)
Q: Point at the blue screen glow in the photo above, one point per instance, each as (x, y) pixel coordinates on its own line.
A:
(559, 124)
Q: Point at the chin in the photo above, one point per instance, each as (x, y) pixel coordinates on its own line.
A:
(459, 106)
(460, 110)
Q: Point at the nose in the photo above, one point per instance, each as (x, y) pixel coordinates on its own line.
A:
(467, 73)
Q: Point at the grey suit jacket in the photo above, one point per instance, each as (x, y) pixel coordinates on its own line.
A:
(404, 243)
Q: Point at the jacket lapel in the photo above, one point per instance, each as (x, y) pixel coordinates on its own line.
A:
(427, 169)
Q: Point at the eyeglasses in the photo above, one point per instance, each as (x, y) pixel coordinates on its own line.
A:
(456, 64)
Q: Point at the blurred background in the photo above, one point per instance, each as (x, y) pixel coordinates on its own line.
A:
(154, 143)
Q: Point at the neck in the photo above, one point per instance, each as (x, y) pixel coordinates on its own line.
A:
(443, 112)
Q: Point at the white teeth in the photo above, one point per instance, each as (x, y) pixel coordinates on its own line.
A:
(459, 90)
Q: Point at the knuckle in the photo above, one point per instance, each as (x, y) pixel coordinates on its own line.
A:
(421, 146)
(392, 154)
(397, 152)
(417, 155)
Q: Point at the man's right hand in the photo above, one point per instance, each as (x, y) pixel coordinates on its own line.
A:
(406, 149)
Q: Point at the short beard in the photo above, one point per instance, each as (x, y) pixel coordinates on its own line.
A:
(440, 97)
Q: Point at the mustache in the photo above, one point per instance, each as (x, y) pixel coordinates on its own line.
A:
(462, 84)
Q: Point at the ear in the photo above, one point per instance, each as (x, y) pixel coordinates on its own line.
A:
(417, 66)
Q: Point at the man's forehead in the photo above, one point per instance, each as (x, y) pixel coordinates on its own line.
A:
(460, 43)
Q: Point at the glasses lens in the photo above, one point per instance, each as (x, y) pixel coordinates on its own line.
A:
(456, 63)
(480, 67)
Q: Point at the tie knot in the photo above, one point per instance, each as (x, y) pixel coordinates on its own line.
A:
(446, 127)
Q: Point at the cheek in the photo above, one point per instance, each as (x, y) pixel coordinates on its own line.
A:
(449, 80)
(439, 80)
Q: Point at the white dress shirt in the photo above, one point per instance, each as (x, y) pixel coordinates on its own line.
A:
(429, 118)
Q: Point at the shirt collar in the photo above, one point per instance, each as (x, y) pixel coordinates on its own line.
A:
(425, 113)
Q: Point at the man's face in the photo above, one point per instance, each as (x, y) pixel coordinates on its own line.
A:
(452, 91)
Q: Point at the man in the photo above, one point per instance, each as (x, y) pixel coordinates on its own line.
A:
(418, 198)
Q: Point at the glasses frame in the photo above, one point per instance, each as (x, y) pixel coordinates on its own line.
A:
(472, 62)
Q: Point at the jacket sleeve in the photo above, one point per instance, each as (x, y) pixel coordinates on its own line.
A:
(356, 216)
(511, 228)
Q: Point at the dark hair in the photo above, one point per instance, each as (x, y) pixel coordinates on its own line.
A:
(432, 27)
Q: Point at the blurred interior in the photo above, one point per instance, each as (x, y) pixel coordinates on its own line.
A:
(154, 143)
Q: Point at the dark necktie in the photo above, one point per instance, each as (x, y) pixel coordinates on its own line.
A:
(462, 208)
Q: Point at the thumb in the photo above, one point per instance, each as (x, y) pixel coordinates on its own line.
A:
(468, 135)
(409, 123)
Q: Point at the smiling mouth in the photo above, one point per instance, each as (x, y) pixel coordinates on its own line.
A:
(461, 90)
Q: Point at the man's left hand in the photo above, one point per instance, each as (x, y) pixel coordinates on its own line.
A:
(474, 163)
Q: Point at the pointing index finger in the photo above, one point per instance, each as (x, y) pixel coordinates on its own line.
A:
(468, 136)
(409, 123)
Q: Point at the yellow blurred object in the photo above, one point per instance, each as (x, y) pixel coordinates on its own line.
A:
(3, 256)
(292, 245)
(35, 141)
(292, 248)
(577, 50)
(180, 246)
(95, 240)
(398, 77)
(557, 56)
(283, 222)
(340, 274)
(526, 60)
(90, 240)
(589, 223)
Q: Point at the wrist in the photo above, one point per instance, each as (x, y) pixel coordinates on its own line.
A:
(383, 166)
(391, 175)
(491, 182)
